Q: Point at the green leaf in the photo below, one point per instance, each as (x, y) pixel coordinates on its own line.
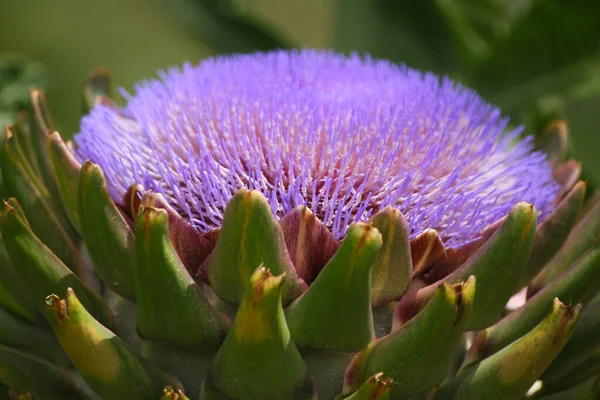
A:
(27, 373)
(587, 390)
(189, 367)
(327, 369)
(374, 388)
(42, 271)
(552, 233)
(44, 216)
(580, 358)
(41, 126)
(335, 313)
(582, 114)
(391, 272)
(417, 355)
(24, 336)
(249, 237)
(191, 247)
(66, 170)
(22, 132)
(109, 240)
(12, 289)
(166, 295)
(258, 359)
(509, 373)
(497, 265)
(583, 236)
(579, 284)
(108, 365)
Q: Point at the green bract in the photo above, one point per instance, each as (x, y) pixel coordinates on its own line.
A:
(103, 301)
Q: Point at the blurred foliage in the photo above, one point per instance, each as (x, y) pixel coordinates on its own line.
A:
(17, 74)
(537, 59)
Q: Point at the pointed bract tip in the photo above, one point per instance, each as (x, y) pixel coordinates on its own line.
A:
(89, 166)
(6, 209)
(382, 383)
(427, 250)
(58, 306)
(55, 136)
(366, 232)
(99, 72)
(40, 109)
(169, 393)
(151, 213)
(569, 312)
(468, 287)
(133, 199)
(381, 387)
(7, 134)
(264, 279)
(374, 388)
(524, 206)
(305, 211)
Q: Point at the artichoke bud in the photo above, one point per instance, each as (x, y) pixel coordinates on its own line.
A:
(341, 212)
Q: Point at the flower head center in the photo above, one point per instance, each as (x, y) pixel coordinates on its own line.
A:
(343, 136)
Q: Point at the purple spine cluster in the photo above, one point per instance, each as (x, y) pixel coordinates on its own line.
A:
(344, 136)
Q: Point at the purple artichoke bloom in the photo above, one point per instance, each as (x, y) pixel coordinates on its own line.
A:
(344, 136)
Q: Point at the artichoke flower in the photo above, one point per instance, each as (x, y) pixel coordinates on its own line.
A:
(295, 225)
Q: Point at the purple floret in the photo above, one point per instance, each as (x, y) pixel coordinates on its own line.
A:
(345, 136)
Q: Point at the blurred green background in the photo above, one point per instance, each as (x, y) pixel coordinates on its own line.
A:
(538, 60)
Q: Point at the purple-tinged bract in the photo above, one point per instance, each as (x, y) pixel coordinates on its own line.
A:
(344, 136)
